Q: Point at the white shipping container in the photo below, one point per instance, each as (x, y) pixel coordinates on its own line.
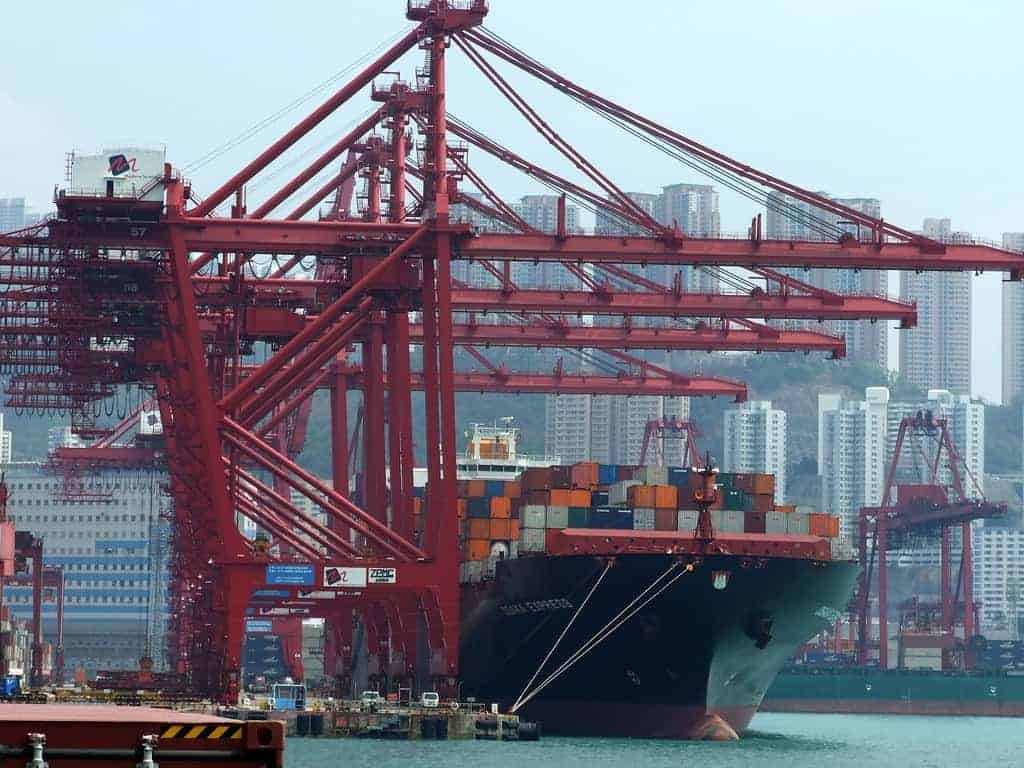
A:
(842, 548)
(929, 663)
(533, 540)
(732, 521)
(474, 570)
(797, 524)
(533, 516)
(686, 520)
(716, 519)
(513, 549)
(922, 653)
(775, 521)
(558, 517)
(618, 493)
(655, 475)
(643, 519)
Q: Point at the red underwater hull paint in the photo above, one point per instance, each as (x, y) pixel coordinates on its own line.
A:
(629, 719)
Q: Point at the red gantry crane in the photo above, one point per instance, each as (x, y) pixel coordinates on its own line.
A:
(930, 508)
(216, 312)
(658, 431)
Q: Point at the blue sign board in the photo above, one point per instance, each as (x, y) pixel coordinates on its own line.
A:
(272, 593)
(258, 627)
(300, 575)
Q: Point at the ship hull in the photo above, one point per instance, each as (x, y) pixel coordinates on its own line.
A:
(689, 657)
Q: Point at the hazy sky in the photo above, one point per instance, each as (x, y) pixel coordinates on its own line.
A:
(916, 103)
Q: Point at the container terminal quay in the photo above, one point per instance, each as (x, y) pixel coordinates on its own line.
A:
(177, 550)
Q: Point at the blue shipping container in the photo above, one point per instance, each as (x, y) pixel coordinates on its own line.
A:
(495, 488)
(478, 508)
(611, 518)
(599, 498)
(602, 517)
(607, 474)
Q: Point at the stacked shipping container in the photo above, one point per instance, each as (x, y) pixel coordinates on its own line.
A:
(489, 515)
(504, 519)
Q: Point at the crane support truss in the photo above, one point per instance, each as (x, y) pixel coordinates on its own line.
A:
(162, 294)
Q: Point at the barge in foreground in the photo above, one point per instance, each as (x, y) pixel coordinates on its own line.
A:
(873, 692)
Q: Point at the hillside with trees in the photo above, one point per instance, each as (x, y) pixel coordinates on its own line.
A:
(791, 382)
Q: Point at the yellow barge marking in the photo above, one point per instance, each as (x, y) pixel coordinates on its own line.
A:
(209, 732)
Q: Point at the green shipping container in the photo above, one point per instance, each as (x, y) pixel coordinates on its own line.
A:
(579, 517)
(733, 500)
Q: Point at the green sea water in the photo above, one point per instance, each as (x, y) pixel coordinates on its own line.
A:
(776, 740)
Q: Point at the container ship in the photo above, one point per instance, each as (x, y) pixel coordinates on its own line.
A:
(654, 602)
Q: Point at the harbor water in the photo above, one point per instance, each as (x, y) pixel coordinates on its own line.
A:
(783, 740)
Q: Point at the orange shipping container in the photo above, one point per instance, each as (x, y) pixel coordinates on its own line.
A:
(478, 549)
(665, 497)
(476, 489)
(493, 449)
(833, 527)
(460, 506)
(642, 496)
(763, 484)
(501, 529)
(513, 489)
(584, 475)
(579, 498)
(818, 524)
(787, 508)
(559, 497)
(501, 506)
(479, 528)
(513, 529)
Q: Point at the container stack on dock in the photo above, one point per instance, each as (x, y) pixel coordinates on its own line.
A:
(507, 519)
(1001, 655)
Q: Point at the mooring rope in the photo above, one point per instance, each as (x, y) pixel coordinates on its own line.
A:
(579, 610)
(614, 624)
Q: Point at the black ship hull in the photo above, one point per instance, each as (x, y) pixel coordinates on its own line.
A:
(694, 656)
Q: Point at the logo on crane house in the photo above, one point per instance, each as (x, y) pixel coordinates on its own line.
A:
(340, 577)
(120, 164)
